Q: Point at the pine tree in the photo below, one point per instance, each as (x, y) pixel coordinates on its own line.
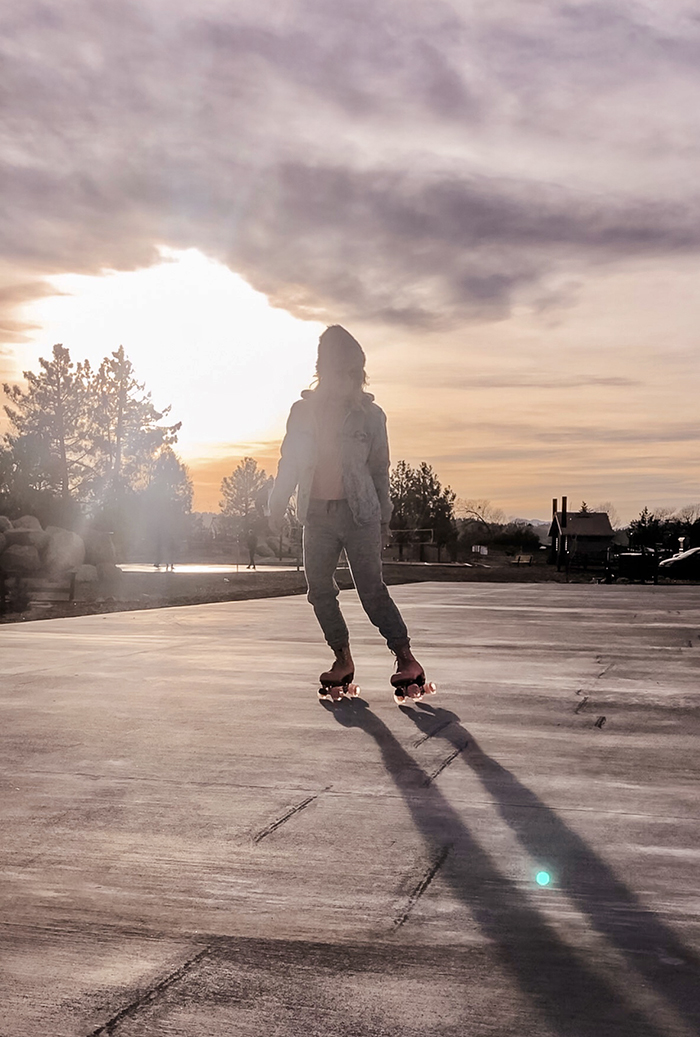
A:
(126, 435)
(420, 502)
(166, 505)
(170, 481)
(50, 422)
(83, 436)
(241, 493)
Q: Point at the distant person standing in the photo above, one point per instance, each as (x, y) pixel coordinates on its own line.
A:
(336, 453)
(165, 551)
(252, 545)
(164, 521)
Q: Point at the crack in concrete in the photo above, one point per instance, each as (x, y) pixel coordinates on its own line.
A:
(287, 815)
(423, 884)
(588, 688)
(445, 763)
(431, 734)
(593, 680)
(148, 995)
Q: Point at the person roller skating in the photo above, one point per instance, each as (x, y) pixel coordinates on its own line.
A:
(409, 680)
(335, 454)
(337, 681)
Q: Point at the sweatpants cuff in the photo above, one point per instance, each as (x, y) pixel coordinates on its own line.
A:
(403, 642)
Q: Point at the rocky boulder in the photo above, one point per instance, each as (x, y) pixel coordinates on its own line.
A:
(27, 522)
(86, 580)
(86, 574)
(37, 538)
(64, 550)
(26, 530)
(21, 558)
(99, 547)
(18, 536)
(111, 579)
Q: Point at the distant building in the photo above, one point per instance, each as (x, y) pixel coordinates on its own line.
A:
(580, 537)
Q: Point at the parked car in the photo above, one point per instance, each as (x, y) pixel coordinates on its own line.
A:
(683, 566)
(633, 566)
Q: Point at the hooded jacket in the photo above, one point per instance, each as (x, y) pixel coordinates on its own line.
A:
(364, 453)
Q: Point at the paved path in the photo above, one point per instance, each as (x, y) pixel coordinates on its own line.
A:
(193, 845)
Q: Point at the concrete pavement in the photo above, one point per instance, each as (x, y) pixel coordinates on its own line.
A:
(193, 845)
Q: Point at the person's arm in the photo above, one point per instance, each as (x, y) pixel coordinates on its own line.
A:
(287, 474)
(378, 463)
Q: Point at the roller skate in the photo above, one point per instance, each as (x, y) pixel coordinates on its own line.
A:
(336, 683)
(409, 681)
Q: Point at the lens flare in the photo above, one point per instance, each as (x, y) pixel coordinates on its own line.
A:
(543, 878)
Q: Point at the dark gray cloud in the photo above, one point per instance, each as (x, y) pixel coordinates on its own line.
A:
(347, 158)
(376, 243)
(365, 58)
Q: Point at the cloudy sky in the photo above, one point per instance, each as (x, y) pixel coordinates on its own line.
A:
(500, 198)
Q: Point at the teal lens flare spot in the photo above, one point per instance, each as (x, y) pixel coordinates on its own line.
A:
(543, 878)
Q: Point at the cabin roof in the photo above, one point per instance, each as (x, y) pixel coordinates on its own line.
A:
(582, 524)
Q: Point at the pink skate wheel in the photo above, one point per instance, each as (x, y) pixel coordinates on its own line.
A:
(353, 690)
(430, 688)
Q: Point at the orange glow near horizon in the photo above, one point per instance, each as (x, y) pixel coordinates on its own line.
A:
(516, 411)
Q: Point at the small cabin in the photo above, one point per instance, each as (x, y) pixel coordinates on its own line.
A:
(580, 537)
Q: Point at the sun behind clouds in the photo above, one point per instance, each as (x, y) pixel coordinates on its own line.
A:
(198, 335)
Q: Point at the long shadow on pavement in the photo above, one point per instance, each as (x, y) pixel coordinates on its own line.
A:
(615, 911)
(575, 1000)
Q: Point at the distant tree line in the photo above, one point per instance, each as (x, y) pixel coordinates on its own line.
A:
(425, 512)
(421, 506)
(89, 446)
(664, 528)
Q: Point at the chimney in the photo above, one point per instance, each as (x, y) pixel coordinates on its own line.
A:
(554, 507)
(563, 511)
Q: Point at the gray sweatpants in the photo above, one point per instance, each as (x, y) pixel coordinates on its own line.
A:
(329, 528)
